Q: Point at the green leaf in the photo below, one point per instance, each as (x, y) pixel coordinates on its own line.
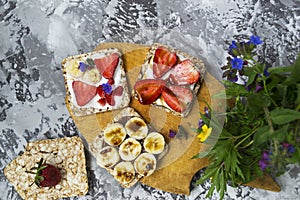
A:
(298, 94)
(284, 115)
(208, 173)
(280, 70)
(294, 76)
(257, 102)
(262, 135)
(90, 61)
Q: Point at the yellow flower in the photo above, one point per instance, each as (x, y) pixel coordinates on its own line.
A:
(205, 133)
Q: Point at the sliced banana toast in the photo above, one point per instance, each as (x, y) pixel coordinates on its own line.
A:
(96, 82)
(169, 79)
(67, 154)
(128, 148)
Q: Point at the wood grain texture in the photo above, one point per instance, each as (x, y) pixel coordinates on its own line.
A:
(176, 169)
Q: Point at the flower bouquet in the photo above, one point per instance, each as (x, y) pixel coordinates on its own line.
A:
(261, 131)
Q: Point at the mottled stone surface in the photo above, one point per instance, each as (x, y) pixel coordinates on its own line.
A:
(36, 35)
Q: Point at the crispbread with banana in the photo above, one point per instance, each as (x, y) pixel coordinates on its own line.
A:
(133, 156)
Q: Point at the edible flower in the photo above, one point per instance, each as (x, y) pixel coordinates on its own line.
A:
(83, 66)
(232, 46)
(107, 88)
(172, 133)
(237, 63)
(264, 161)
(255, 40)
(204, 133)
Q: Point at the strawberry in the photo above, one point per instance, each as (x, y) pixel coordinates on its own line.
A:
(100, 91)
(102, 101)
(107, 65)
(171, 100)
(84, 92)
(46, 175)
(118, 91)
(184, 73)
(111, 81)
(110, 99)
(177, 97)
(148, 90)
(163, 61)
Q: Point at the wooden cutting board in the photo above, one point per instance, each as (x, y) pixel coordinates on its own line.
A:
(176, 169)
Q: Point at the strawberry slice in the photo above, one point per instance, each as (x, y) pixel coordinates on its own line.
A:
(148, 90)
(110, 99)
(184, 73)
(118, 91)
(84, 92)
(107, 65)
(163, 61)
(177, 97)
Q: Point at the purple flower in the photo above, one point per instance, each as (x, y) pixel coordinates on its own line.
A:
(233, 78)
(232, 46)
(107, 88)
(237, 63)
(172, 133)
(255, 40)
(258, 88)
(262, 164)
(206, 112)
(82, 66)
(265, 156)
(264, 161)
(200, 123)
(285, 145)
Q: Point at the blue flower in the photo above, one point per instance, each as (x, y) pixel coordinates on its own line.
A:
(82, 66)
(232, 46)
(255, 40)
(237, 63)
(107, 88)
(291, 149)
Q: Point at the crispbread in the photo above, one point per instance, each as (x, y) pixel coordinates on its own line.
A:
(99, 143)
(93, 106)
(67, 154)
(146, 72)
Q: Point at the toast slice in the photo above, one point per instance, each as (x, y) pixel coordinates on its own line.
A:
(67, 154)
(96, 82)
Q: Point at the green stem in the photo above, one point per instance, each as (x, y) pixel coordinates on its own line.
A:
(269, 120)
(268, 94)
(245, 138)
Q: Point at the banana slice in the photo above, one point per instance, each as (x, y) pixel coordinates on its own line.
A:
(145, 164)
(91, 75)
(72, 68)
(136, 128)
(130, 149)
(124, 172)
(154, 143)
(108, 157)
(114, 134)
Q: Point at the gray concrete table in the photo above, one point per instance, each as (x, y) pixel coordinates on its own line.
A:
(36, 35)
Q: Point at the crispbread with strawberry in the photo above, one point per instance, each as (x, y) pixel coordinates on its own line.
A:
(96, 82)
(56, 166)
(169, 79)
